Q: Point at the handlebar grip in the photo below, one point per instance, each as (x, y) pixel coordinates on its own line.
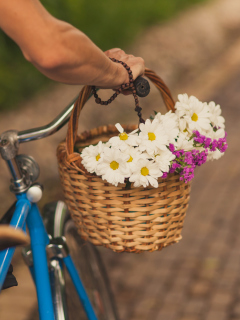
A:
(142, 86)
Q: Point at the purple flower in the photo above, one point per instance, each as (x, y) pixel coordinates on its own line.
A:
(171, 147)
(197, 133)
(210, 144)
(207, 142)
(187, 174)
(186, 161)
(164, 176)
(224, 147)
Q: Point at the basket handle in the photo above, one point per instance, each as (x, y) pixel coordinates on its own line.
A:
(85, 94)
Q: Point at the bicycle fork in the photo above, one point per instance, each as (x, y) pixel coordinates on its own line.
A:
(47, 278)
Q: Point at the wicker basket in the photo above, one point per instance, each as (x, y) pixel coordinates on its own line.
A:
(133, 220)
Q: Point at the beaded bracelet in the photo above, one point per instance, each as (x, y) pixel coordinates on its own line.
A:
(125, 86)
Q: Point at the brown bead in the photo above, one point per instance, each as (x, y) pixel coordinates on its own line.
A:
(129, 85)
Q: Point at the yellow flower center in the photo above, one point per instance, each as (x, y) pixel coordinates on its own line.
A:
(144, 171)
(194, 117)
(130, 159)
(98, 157)
(123, 136)
(151, 136)
(114, 165)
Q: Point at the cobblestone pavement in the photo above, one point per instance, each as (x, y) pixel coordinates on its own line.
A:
(198, 278)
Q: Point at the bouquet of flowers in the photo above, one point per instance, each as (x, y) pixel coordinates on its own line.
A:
(174, 142)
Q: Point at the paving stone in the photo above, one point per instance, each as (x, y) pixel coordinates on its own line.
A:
(216, 315)
(182, 281)
(236, 310)
(225, 284)
(190, 317)
(218, 248)
(190, 262)
(166, 314)
(221, 300)
(173, 298)
(237, 290)
(200, 288)
(195, 306)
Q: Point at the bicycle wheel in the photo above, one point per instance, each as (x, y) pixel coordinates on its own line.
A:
(89, 265)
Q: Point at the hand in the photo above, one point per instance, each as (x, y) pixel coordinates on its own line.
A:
(136, 65)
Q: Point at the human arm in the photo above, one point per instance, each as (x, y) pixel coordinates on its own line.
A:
(60, 51)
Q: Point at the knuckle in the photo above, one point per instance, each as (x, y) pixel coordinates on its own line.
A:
(113, 50)
(141, 60)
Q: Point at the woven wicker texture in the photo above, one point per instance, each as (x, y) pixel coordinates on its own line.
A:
(132, 220)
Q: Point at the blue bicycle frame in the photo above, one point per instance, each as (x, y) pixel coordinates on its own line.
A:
(27, 214)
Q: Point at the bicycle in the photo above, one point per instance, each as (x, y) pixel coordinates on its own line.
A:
(54, 257)
(55, 231)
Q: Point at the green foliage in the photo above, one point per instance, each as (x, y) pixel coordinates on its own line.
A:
(109, 23)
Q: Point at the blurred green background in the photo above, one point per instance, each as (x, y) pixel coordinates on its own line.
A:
(109, 23)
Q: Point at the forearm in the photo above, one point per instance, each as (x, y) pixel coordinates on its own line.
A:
(74, 59)
(60, 51)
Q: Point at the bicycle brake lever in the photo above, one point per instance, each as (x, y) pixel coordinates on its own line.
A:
(142, 86)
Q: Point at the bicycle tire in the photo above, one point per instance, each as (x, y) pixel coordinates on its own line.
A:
(88, 262)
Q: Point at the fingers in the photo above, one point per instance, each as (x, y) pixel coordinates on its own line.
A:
(136, 64)
(114, 51)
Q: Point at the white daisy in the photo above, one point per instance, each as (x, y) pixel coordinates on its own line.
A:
(185, 104)
(123, 140)
(183, 127)
(91, 156)
(113, 166)
(198, 118)
(170, 124)
(163, 160)
(183, 142)
(216, 119)
(214, 155)
(220, 133)
(145, 172)
(193, 114)
(134, 154)
(153, 137)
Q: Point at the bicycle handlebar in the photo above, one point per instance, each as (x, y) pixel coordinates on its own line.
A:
(49, 129)
(142, 87)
